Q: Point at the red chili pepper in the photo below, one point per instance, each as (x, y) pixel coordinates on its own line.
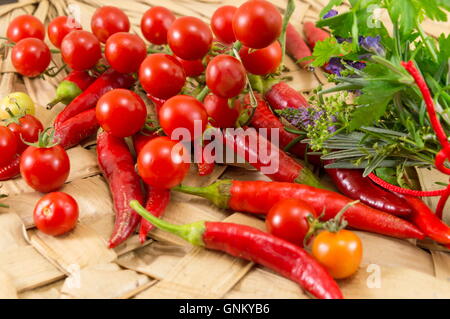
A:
(206, 165)
(117, 165)
(296, 47)
(258, 197)
(72, 86)
(285, 168)
(351, 183)
(141, 138)
(281, 96)
(255, 245)
(314, 34)
(11, 170)
(76, 129)
(157, 201)
(157, 102)
(424, 218)
(87, 100)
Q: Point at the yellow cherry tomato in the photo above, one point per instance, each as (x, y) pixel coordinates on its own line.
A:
(340, 253)
(18, 103)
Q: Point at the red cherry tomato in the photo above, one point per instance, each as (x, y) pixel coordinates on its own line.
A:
(288, 219)
(257, 24)
(192, 68)
(25, 26)
(222, 24)
(56, 213)
(225, 76)
(183, 111)
(26, 128)
(80, 50)
(8, 145)
(108, 20)
(221, 114)
(262, 61)
(45, 169)
(59, 27)
(161, 163)
(189, 38)
(161, 75)
(30, 57)
(125, 52)
(154, 24)
(121, 112)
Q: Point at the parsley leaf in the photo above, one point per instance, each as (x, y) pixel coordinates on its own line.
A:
(325, 50)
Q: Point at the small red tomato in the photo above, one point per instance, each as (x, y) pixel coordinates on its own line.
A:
(56, 213)
(161, 75)
(8, 145)
(189, 38)
(45, 169)
(257, 24)
(30, 57)
(161, 163)
(108, 20)
(154, 24)
(125, 52)
(225, 76)
(262, 61)
(185, 113)
(80, 50)
(192, 68)
(222, 24)
(221, 114)
(27, 128)
(25, 26)
(121, 112)
(59, 27)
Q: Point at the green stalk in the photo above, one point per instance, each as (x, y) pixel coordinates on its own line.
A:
(290, 8)
(203, 93)
(427, 43)
(218, 193)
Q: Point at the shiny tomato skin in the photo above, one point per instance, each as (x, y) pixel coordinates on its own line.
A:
(182, 111)
(155, 23)
(45, 169)
(192, 68)
(30, 57)
(108, 20)
(59, 27)
(161, 163)
(25, 26)
(27, 128)
(189, 38)
(225, 76)
(80, 50)
(220, 113)
(56, 214)
(222, 24)
(340, 253)
(288, 219)
(121, 112)
(161, 75)
(125, 52)
(8, 145)
(262, 61)
(257, 24)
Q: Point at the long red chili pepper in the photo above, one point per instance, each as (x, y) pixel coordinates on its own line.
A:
(351, 183)
(109, 80)
(11, 170)
(76, 129)
(255, 245)
(72, 86)
(296, 47)
(258, 197)
(281, 96)
(117, 165)
(314, 34)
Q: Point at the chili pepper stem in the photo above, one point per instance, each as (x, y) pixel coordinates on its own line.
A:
(192, 233)
(217, 193)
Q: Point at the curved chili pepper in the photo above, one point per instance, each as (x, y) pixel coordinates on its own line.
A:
(258, 197)
(296, 47)
(11, 170)
(72, 86)
(117, 165)
(157, 201)
(76, 129)
(109, 80)
(252, 244)
(351, 183)
(314, 34)
(281, 96)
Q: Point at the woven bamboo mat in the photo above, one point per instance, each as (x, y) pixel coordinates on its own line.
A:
(79, 265)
